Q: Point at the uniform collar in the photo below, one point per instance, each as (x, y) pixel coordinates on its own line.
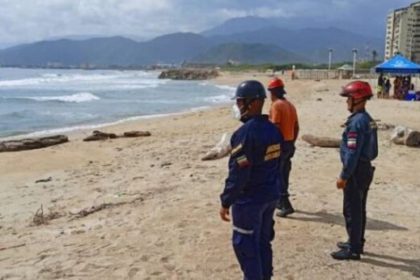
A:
(354, 114)
(259, 117)
(357, 112)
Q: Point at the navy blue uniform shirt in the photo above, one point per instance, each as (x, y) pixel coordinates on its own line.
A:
(359, 142)
(254, 163)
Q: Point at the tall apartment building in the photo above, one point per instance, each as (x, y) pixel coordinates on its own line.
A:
(403, 32)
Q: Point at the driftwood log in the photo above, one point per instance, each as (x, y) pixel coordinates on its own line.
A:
(96, 208)
(324, 142)
(136, 133)
(99, 135)
(32, 143)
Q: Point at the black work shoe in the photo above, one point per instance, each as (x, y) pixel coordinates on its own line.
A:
(345, 254)
(286, 208)
(346, 245)
(280, 205)
(285, 211)
(343, 245)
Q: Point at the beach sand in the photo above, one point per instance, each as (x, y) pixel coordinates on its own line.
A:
(160, 201)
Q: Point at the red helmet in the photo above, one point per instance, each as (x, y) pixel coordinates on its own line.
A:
(357, 90)
(275, 83)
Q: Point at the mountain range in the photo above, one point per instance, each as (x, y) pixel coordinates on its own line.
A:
(250, 40)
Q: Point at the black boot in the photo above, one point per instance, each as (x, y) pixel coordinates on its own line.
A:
(345, 254)
(286, 208)
(346, 245)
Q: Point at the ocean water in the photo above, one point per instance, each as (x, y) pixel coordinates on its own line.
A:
(42, 101)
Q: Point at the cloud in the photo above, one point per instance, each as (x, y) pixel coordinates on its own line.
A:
(267, 12)
(31, 20)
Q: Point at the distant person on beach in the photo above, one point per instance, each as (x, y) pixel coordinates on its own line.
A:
(359, 146)
(380, 88)
(405, 86)
(252, 188)
(284, 116)
(396, 86)
(387, 88)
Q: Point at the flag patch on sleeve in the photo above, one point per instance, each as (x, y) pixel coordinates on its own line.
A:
(242, 161)
(352, 140)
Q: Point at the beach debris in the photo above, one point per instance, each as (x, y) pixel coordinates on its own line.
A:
(136, 133)
(96, 208)
(12, 247)
(379, 124)
(402, 135)
(49, 179)
(137, 197)
(40, 219)
(32, 143)
(189, 74)
(166, 163)
(93, 209)
(100, 135)
(321, 88)
(221, 149)
(324, 142)
(385, 126)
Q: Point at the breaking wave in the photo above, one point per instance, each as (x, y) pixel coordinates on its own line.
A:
(74, 98)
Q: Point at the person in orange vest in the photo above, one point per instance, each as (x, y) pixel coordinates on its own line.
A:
(284, 116)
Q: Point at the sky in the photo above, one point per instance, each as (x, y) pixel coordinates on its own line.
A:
(34, 20)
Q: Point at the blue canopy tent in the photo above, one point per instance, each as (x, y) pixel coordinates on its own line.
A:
(398, 65)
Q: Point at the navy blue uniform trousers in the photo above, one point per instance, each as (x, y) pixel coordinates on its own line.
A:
(354, 206)
(288, 151)
(253, 230)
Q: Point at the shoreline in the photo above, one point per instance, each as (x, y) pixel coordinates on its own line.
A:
(79, 129)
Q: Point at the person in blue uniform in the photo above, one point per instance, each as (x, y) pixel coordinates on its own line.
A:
(358, 148)
(252, 188)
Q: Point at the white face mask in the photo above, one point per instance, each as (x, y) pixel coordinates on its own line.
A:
(236, 112)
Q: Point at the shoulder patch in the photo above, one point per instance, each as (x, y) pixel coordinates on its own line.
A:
(273, 151)
(236, 149)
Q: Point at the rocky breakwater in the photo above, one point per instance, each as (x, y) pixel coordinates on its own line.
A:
(189, 74)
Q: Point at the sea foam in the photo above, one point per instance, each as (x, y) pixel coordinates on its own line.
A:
(74, 98)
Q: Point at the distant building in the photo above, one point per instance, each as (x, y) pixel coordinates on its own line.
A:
(403, 32)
